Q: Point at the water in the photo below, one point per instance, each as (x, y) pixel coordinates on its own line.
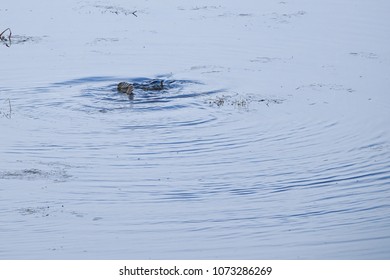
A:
(266, 155)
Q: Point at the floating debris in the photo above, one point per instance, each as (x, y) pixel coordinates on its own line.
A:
(5, 37)
(5, 113)
(116, 10)
(35, 174)
(329, 87)
(240, 101)
(368, 55)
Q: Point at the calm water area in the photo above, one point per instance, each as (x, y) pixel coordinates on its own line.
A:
(271, 139)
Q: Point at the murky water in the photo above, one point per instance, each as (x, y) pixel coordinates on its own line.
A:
(210, 167)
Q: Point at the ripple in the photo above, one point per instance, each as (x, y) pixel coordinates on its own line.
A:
(99, 94)
(290, 173)
(253, 147)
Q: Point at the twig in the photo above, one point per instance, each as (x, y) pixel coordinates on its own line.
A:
(2, 38)
(134, 13)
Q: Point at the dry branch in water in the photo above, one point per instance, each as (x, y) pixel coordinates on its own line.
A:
(6, 39)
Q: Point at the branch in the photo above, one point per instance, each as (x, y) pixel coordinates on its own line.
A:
(2, 38)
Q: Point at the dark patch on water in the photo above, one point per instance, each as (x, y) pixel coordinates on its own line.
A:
(36, 211)
(241, 101)
(326, 87)
(368, 55)
(35, 174)
(6, 113)
(110, 9)
(48, 210)
(22, 39)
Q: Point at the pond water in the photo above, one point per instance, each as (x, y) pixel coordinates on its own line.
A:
(272, 140)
